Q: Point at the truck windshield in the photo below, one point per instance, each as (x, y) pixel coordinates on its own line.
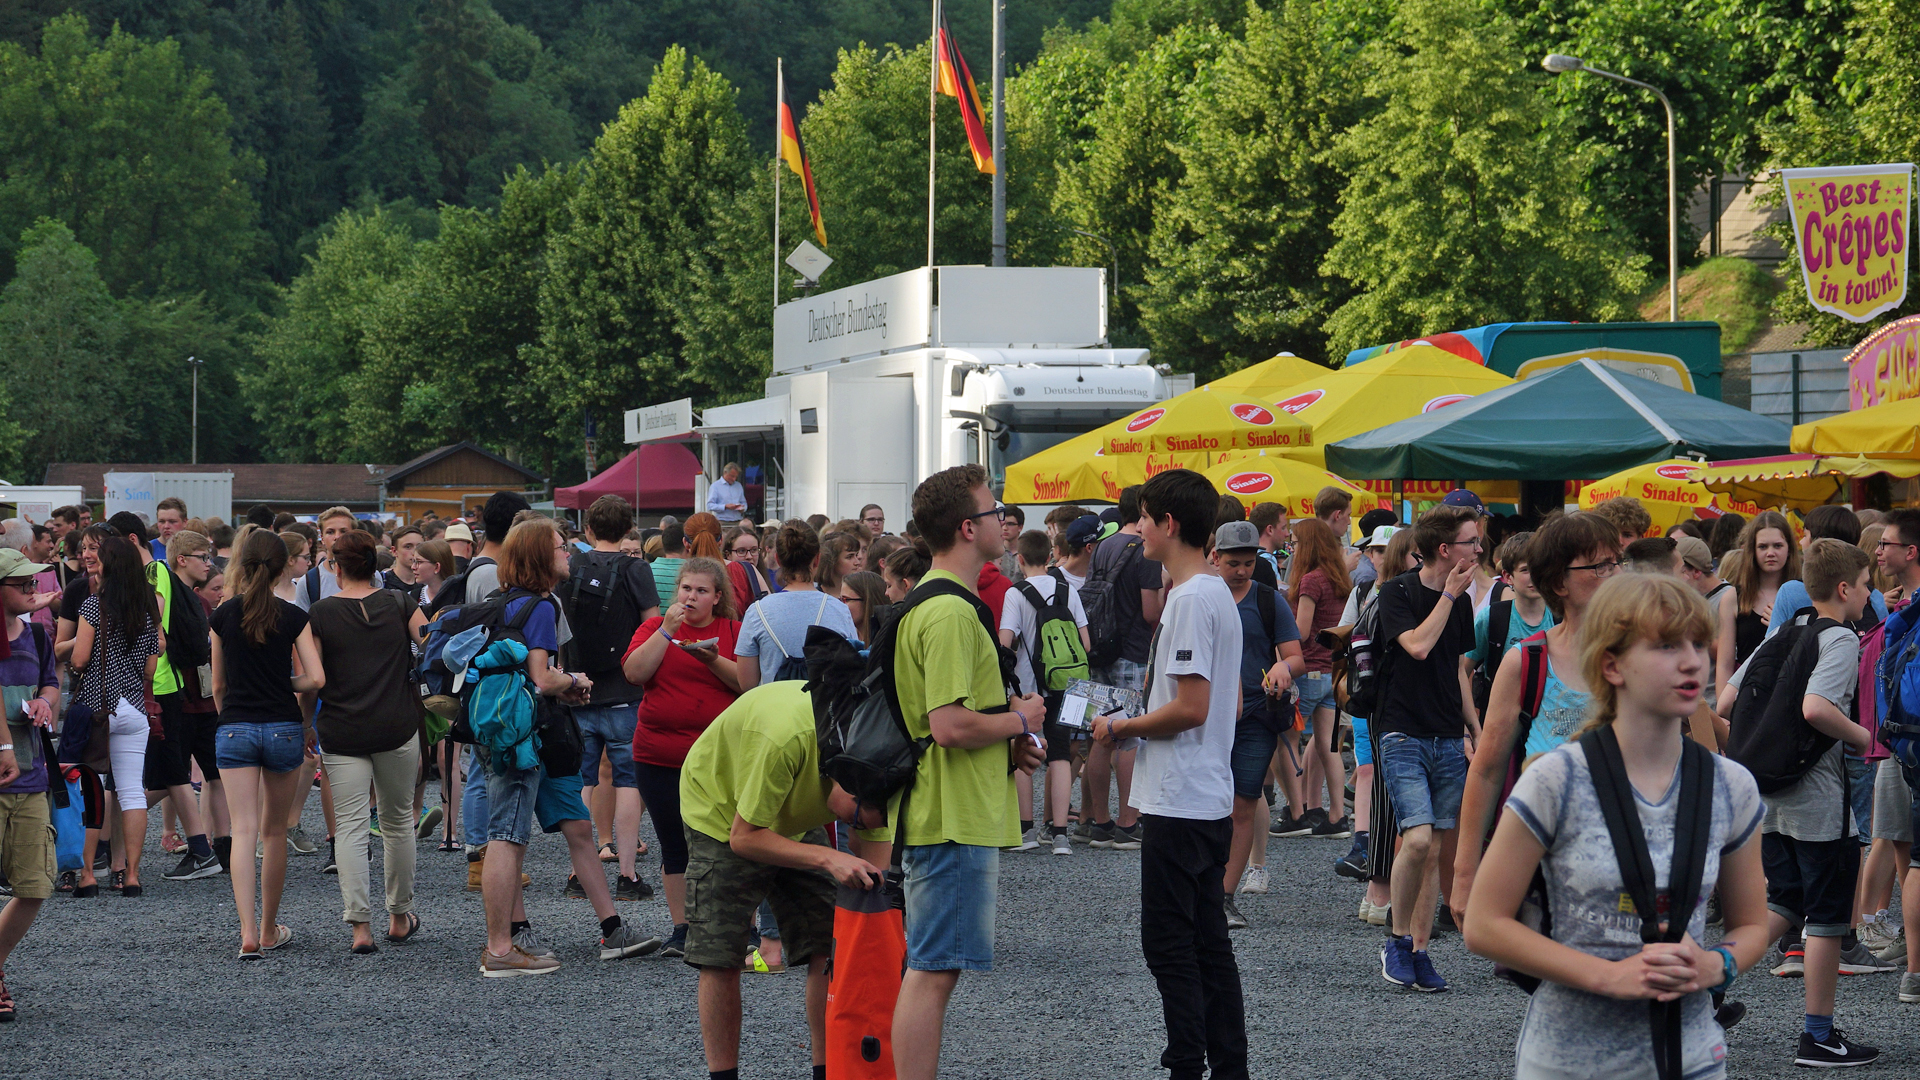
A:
(1015, 433)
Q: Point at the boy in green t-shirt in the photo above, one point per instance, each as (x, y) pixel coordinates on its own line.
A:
(962, 809)
(755, 804)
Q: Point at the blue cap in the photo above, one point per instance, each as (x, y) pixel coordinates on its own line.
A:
(1084, 530)
(1463, 497)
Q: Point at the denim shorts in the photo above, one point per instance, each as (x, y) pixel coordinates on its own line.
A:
(1255, 740)
(1316, 692)
(276, 746)
(952, 891)
(1362, 745)
(607, 729)
(516, 797)
(1425, 778)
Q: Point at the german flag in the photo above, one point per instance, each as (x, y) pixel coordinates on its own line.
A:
(794, 153)
(957, 82)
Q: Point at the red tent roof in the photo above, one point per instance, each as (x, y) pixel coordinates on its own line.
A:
(658, 476)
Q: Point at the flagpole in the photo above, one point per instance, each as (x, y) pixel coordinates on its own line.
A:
(933, 102)
(999, 132)
(779, 98)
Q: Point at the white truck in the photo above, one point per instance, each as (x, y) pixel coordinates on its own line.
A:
(877, 386)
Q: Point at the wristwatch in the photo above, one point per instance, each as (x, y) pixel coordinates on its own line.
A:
(1731, 969)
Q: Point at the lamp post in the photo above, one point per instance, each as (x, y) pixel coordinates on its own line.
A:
(1560, 63)
(196, 364)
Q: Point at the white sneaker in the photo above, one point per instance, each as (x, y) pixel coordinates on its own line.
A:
(1028, 840)
(1254, 880)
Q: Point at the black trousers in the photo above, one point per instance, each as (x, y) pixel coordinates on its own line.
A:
(1183, 932)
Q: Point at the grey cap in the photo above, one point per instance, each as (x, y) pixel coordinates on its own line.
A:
(1694, 552)
(1236, 536)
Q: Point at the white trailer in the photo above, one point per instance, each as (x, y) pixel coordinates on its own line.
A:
(877, 386)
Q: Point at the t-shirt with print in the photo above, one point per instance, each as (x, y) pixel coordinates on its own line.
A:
(1018, 616)
(1569, 1032)
(943, 655)
(1421, 697)
(684, 694)
(1326, 613)
(1190, 775)
(259, 677)
(1141, 573)
(776, 627)
(27, 670)
(1562, 711)
(1256, 646)
(759, 759)
(165, 679)
(1815, 807)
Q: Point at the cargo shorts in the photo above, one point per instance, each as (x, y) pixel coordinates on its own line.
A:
(724, 891)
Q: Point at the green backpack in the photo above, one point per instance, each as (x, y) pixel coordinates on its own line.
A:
(1056, 651)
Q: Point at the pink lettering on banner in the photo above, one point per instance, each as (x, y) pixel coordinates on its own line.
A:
(1886, 366)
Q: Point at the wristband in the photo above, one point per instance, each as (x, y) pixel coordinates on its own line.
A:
(663, 633)
(1732, 969)
(4, 747)
(1450, 597)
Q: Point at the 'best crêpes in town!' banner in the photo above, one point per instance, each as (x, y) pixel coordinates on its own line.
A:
(1851, 228)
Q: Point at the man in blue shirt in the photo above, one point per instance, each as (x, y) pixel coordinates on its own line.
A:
(726, 498)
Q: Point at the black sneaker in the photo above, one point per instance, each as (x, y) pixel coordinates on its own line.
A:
(1129, 837)
(193, 866)
(1332, 830)
(574, 890)
(1103, 835)
(676, 944)
(632, 889)
(1286, 825)
(1353, 865)
(1833, 1052)
(1313, 818)
(332, 865)
(1443, 921)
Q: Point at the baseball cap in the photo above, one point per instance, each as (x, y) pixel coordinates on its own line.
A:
(1110, 522)
(1694, 552)
(1380, 536)
(459, 530)
(1084, 530)
(1463, 497)
(1236, 536)
(14, 563)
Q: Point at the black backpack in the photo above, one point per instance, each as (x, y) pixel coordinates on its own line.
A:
(603, 605)
(1766, 731)
(1100, 597)
(792, 666)
(1499, 625)
(187, 643)
(865, 746)
(453, 591)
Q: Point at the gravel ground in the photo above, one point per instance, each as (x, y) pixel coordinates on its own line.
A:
(151, 987)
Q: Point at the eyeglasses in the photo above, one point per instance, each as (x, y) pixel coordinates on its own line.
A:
(739, 550)
(997, 512)
(1600, 569)
(1892, 543)
(851, 600)
(1473, 543)
(23, 584)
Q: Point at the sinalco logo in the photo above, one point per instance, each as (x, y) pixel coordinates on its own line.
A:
(1292, 406)
(1443, 401)
(1249, 483)
(1250, 413)
(1146, 420)
(1676, 472)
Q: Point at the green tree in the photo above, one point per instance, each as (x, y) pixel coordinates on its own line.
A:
(613, 331)
(60, 339)
(455, 87)
(312, 353)
(1466, 205)
(130, 149)
(1237, 245)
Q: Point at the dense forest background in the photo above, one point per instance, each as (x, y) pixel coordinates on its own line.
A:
(387, 224)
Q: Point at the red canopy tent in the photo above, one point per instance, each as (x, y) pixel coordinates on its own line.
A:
(658, 477)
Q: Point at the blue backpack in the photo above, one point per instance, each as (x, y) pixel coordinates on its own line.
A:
(457, 655)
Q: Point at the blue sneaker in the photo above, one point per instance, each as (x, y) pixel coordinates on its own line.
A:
(1425, 979)
(1396, 961)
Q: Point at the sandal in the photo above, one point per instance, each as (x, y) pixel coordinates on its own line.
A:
(756, 963)
(6, 1002)
(68, 879)
(413, 930)
(450, 845)
(86, 892)
(172, 845)
(607, 854)
(364, 950)
(117, 880)
(251, 954)
(282, 935)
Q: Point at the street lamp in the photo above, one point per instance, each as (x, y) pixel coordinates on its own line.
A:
(196, 364)
(1560, 63)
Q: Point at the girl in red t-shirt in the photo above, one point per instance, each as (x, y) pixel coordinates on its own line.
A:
(686, 688)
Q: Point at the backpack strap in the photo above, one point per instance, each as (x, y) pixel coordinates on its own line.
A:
(313, 583)
(1692, 825)
(1269, 615)
(1500, 623)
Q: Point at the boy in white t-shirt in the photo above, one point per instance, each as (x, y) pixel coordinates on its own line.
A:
(1019, 627)
(1183, 785)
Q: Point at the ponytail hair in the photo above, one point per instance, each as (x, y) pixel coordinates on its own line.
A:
(263, 558)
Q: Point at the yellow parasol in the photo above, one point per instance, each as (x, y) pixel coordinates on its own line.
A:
(1269, 376)
(1891, 430)
(1288, 481)
(1191, 430)
(1403, 383)
(1666, 488)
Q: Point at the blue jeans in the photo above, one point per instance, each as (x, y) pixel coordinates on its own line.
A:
(276, 746)
(952, 892)
(473, 801)
(607, 729)
(1860, 794)
(1425, 779)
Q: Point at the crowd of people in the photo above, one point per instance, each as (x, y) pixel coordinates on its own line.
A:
(1508, 692)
